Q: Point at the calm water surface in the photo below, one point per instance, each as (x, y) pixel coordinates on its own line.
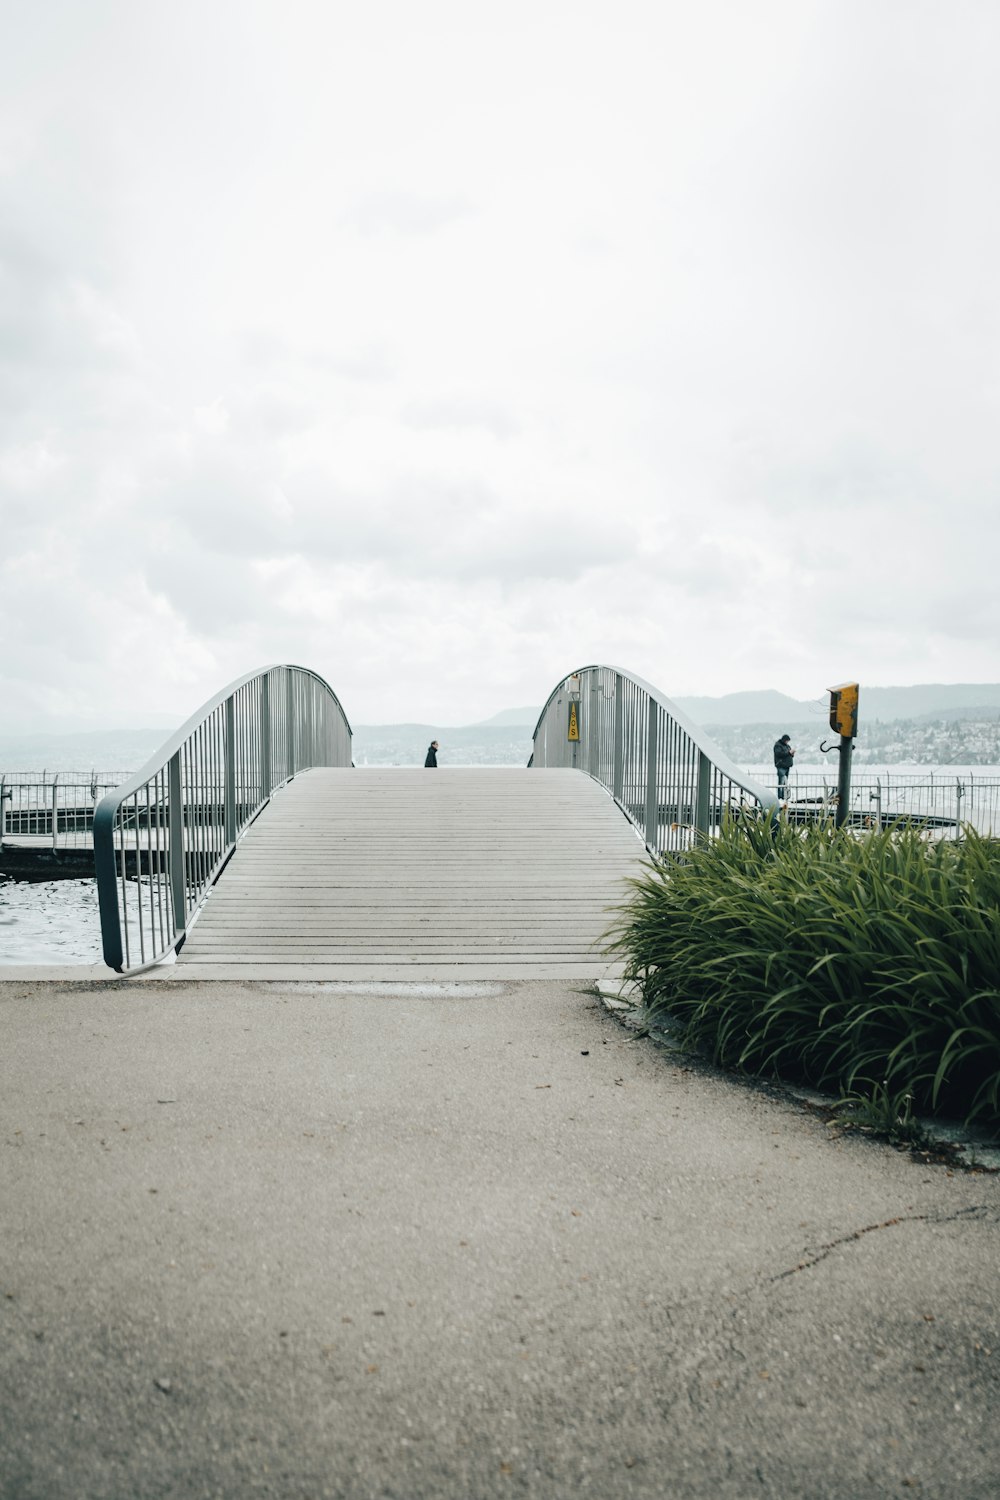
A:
(49, 922)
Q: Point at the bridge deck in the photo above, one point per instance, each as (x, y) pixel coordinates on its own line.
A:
(412, 874)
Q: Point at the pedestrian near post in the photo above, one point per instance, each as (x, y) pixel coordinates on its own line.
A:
(432, 755)
(783, 758)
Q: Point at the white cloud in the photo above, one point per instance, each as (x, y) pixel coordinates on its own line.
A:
(444, 350)
(213, 419)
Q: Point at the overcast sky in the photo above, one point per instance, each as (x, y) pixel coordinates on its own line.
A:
(444, 347)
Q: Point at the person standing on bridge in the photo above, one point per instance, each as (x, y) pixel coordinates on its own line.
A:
(432, 755)
(783, 758)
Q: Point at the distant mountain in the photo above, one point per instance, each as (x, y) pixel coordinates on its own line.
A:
(464, 745)
(937, 700)
(765, 706)
(386, 729)
(926, 700)
(100, 750)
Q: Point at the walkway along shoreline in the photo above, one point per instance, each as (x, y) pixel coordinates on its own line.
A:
(429, 1240)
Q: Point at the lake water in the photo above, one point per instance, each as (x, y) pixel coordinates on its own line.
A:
(49, 922)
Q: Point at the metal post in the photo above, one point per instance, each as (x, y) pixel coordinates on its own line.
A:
(176, 852)
(229, 784)
(593, 732)
(843, 782)
(702, 793)
(292, 738)
(55, 813)
(265, 736)
(652, 790)
(616, 770)
(959, 794)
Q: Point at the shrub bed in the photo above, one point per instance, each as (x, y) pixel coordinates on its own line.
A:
(867, 965)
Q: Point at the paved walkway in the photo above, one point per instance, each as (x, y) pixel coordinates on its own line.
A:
(412, 874)
(459, 1242)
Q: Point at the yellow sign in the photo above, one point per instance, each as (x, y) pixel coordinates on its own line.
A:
(844, 710)
(574, 723)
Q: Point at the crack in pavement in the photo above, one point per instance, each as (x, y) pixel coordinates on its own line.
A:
(857, 1234)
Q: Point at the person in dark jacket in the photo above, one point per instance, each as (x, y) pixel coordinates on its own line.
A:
(432, 755)
(783, 757)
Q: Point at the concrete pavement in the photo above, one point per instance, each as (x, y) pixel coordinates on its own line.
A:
(461, 1241)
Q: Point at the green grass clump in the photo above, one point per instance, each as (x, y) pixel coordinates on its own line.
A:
(854, 964)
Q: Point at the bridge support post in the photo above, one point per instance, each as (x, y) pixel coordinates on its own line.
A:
(702, 793)
(616, 769)
(175, 825)
(652, 790)
(229, 783)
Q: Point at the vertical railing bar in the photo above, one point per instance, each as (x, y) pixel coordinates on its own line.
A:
(652, 778)
(175, 837)
(229, 787)
(204, 803)
(292, 745)
(212, 796)
(192, 820)
(137, 833)
(247, 720)
(158, 803)
(204, 827)
(147, 911)
(240, 729)
(123, 907)
(703, 794)
(189, 828)
(217, 774)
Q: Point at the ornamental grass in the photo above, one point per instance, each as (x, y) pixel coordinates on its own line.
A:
(864, 965)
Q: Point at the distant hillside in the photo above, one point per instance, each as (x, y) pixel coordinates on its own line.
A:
(936, 700)
(926, 700)
(949, 740)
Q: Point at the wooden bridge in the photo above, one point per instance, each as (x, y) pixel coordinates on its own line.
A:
(414, 874)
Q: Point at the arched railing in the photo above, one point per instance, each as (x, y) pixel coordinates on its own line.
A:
(661, 769)
(161, 839)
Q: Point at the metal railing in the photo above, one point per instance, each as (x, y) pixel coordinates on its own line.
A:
(939, 800)
(663, 771)
(52, 811)
(162, 839)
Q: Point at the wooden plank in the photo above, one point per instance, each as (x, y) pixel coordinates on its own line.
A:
(371, 872)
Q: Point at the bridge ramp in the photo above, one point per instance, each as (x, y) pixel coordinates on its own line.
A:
(386, 874)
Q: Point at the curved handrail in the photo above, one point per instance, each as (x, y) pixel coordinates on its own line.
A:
(173, 825)
(664, 772)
